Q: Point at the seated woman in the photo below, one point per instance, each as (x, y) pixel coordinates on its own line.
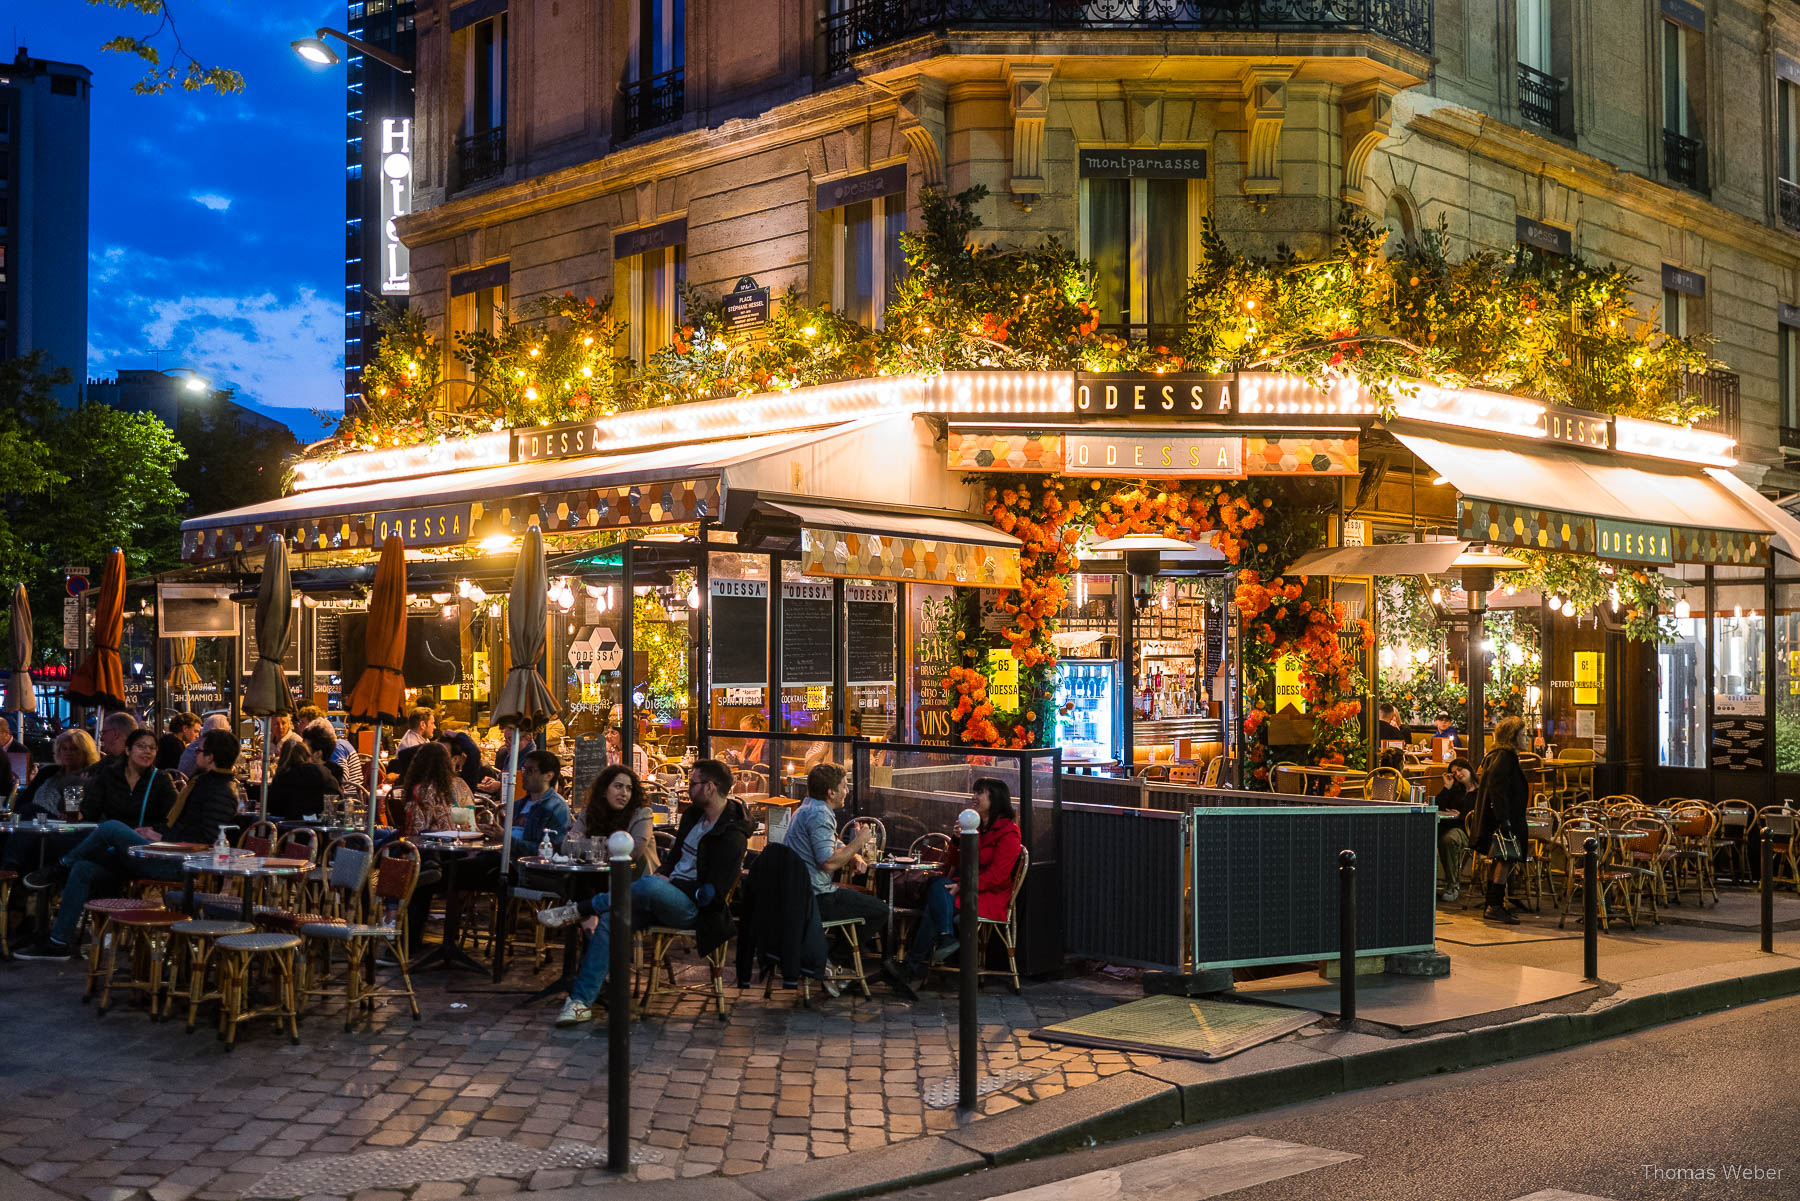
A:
(465, 763)
(1001, 844)
(616, 802)
(426, 793)
(130, 789)
(74, 753)
(1453, 801)
(305, 776)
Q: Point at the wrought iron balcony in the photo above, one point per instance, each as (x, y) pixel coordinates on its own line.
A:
(1685, 159)
(480, 156)
(659, 100)
(1787, 200)
(1541, 99)
(869, 24)
(1718, 391)
(1790, 440)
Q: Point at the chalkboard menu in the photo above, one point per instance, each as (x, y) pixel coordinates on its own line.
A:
(1265, 882)
(433, 650)
(326, 628)
(869, 630)
(590, 757)
(1740, 744)
(740, 632)
(806, 657)
(247, 645)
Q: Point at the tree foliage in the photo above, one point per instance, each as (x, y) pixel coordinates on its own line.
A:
(166, 61)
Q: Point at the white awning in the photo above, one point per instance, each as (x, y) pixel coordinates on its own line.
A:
(1395, 558)
(1786, 529)
(943, 526)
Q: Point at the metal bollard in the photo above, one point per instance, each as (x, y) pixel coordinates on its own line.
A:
(618, 1007)
(1346, 937)
(1768, 894)
(968, 1027)
(1590, 903)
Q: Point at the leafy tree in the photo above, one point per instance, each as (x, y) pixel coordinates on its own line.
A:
(88, 479)
(181, 67)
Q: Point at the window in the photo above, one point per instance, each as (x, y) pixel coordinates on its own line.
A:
(478, 301)
(1740, 652)
(1136, 232)
(1543, 56)
(484, 84)
(863, 240)
(1787, 382)
(1683, 112)
(1787, 124)
(64, 85)
(1674, 313)
(1534, 34)
(658, 38)
(1787, 679)
(1400, 223)
(654, 281)
(1681, 672)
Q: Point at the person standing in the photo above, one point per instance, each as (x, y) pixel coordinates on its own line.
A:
(1502, 801)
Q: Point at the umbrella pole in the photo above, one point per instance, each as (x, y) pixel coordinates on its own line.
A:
(262, 805)
(512, 777)
(374, 776)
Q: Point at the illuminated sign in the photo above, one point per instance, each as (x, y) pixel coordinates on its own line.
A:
(1578, 427)
(1590, 677)
(440, 525)
(1141, 395)
(553, 442)
(396, 202)
(1632, 540)
(1165, 457)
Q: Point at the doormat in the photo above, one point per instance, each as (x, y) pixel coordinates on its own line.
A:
(1468, 932)
(1180, 1027)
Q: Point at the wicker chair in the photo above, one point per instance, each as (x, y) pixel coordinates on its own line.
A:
(141, 936)
(396, 875)
(237, 956)
(661, 940)
(195, 939)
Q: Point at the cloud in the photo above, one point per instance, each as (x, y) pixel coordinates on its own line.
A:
(212, 200)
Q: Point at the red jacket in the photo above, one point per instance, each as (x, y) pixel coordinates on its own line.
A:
(1000, 846)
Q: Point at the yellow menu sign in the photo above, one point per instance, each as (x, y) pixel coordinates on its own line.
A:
(1288, 690)
(1003, 679)
(1589, 677)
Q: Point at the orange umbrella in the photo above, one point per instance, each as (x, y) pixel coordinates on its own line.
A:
(100, 680)
(380, 692)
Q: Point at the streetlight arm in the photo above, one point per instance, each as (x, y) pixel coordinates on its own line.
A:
(402, 65)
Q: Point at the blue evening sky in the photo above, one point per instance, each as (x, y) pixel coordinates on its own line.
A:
(217, 235)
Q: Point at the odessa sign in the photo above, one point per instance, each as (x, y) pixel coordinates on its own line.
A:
(1140, 396)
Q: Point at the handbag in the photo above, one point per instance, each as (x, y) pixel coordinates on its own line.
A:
(1505, 847)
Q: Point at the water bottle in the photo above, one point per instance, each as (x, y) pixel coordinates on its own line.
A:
(221, 851)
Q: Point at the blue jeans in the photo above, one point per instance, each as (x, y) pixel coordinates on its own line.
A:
(99, 861)
(938, 921)
(654, 901)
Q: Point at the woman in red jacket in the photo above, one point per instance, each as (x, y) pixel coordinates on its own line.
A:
(1000, 845)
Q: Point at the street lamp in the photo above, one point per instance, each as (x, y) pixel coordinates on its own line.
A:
(190, 379)
(315, 51)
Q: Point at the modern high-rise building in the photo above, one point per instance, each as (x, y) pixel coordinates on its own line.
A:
(377, 177)
(44, 214)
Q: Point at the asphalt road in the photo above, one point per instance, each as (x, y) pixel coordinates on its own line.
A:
(1665, 1113)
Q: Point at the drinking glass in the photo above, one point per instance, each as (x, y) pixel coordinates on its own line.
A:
(72, 796)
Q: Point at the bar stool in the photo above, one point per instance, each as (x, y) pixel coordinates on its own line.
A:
(99, 914)
(144, 935)
(237, 954)
(195, 939)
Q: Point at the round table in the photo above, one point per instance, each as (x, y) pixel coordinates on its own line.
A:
(65, 834)
(568, 876)
(245, 867)
(448, 954)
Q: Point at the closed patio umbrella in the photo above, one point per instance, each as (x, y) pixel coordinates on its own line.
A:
(20, 696)
(381, 689)
(267, 693)
(100, 680)
(182, 676)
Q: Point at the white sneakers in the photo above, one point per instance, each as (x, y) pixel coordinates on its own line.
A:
(559, 916)
(574, 1013)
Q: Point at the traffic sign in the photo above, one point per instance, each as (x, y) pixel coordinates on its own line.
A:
(75, 585)
(71, 623)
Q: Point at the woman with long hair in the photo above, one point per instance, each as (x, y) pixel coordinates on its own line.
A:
(74, 753)
(1502, 798)
(466, 765)
(616, 802)
(1000, 845)
(426, 793)
(304, 776)
(130, 789)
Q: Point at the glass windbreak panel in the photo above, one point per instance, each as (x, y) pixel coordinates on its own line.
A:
(1787, 677)
(871, 665)
(807, 652)
(932, 619)
(739, 606)
(1109, 247)
(1681, 679)
(1166, 261)
(895, 220)
(665, 619)
(1574, 712)
(1740, 651)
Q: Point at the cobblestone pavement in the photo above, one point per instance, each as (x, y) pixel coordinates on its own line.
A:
(485, 1096)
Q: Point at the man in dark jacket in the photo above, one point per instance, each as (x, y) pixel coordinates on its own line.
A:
(690, 891)
(183, 729)
(102, 859)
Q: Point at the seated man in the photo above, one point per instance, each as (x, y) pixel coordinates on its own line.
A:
(101, 860)
(688, 891)
(812, 837)
(541, 810)
(1446, 728)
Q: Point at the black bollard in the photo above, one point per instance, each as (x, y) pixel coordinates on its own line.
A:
(618, 1009)
(1590, 901)
(968, 1027)
(1768, 894)
(1346, 937)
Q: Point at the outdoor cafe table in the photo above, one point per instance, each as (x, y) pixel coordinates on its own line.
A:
(568, 876)
(451, 846)
(64, 834)
(246, 867)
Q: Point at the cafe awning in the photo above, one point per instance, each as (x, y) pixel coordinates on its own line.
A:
(1396, 558)
(1786, 529)
(884, 542)
(1551, 497)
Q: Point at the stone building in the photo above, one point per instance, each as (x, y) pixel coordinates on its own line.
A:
(619, 150)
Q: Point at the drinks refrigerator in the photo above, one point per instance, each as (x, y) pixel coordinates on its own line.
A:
(1087, 709)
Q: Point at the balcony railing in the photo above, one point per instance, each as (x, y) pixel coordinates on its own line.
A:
(481, 156)
(1718, 391)
(1790, 440)
(869, 24)
(659, 100)
(1685, 159)
(1787, 200)
(1541, 99)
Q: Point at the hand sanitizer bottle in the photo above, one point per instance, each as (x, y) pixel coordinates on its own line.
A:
(221, 851)
(545, 850)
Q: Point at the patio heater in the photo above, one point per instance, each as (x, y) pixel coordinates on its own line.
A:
(1477, 566)
(1143, 562)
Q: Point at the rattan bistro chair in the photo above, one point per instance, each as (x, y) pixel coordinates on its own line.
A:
(396, 875)
(1006, 928)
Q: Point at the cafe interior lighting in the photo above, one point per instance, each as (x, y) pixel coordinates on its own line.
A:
(464, 588)
(495, 544)
(477, 593)
(1682, 609)
(440, 598)
(693, 596)
(1437, 596)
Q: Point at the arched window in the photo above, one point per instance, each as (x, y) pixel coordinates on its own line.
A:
(1401, 219)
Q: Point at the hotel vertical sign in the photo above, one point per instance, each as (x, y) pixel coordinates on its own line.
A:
(396, 202)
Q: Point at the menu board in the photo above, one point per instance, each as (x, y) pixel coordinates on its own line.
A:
(327, 624)
(740, 632)
(247, 644)
(590, 757)
(806, 642)
(433, 650)
(869, 630)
